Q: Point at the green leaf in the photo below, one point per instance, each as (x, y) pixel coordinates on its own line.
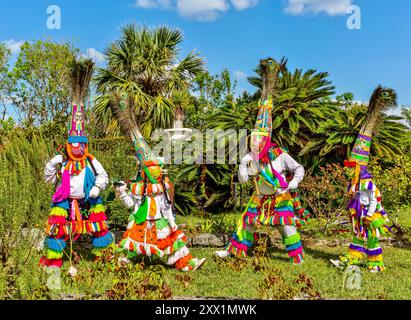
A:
(277, 122)
(286, 113)
(294, 124)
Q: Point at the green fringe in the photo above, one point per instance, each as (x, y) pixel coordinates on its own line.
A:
(377, 223)
(60, 212)
(375, 264)
(358, 241)
(373, 243)
(178, 245)
(54, 254)
(161, 223)
(292, 240)
(97, 208)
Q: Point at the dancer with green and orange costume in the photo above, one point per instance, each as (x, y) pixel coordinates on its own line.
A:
(152, 230)
(367, 214)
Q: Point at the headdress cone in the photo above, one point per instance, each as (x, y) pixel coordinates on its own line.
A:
(81, 72)
(381, 100)
(262, 133)
(122, 105)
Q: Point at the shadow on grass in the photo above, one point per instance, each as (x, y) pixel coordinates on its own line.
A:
(318, 254)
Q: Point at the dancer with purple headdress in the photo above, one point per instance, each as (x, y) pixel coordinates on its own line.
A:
(366, 212)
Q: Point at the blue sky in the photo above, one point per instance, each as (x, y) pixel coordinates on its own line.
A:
(234, 34)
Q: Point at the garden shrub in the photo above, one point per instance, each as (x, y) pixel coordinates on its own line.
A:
(325, 196)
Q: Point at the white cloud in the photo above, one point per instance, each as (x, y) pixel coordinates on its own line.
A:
(208, 10)
(244, 4)
(240, 75)
(149, 4)
(202, 10)
(13, 45)
(331, 7)
(95, 55)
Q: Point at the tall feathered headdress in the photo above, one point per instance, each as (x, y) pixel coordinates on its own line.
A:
(122, 105)
(81, 72)
(381, 100)
(261, 135)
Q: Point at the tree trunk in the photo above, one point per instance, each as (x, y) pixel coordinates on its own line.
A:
(179, 116)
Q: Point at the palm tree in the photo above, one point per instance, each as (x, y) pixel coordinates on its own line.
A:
(145, 64)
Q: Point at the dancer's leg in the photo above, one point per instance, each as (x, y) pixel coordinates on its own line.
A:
(293, 245)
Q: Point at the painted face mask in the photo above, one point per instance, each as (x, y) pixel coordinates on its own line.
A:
(78, 150)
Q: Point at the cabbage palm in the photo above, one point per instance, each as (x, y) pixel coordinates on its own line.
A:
(145, 64)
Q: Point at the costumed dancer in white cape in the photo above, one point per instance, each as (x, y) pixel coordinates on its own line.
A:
(76, 207)
(152, 230)
(275, 201)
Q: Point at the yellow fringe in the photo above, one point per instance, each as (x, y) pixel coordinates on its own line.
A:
(60, 212)
(375, 258)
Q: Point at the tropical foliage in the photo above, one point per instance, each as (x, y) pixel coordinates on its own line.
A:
(146, 64)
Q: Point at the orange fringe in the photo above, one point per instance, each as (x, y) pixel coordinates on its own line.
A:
(183, 262)
(169, 241)
(137, 233)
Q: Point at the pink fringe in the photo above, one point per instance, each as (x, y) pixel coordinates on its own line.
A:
(57, 220)
(63, 191)
(97, 217)
(239, 246)
(295, 252)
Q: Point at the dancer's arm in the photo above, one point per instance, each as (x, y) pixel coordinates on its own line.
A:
(101, 175)
(373, 203)
(298, 170)
(101, 179)
(167, 212)
(50, 172)
(130, 200)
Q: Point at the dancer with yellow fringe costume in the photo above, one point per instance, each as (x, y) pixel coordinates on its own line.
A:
(76, 207)
(275, 201)
(152, 230)
(366, 212)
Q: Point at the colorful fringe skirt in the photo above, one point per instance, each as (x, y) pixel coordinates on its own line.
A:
(70, 219)
(154, 238)
(276, 211)
(365, 243)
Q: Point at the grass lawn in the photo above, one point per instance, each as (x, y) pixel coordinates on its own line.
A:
(236, 278)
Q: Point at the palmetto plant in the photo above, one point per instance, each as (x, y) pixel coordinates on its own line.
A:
(145, 64)
(201, 187)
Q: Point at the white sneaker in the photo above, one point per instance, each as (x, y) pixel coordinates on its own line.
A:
(336, 263)
(222, 254)
(199, 263)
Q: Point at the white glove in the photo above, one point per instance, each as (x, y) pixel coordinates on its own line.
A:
(56, 160)
(246, 160)
(94, 192)
(123, 188)
(173, 226)
(293, 184)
